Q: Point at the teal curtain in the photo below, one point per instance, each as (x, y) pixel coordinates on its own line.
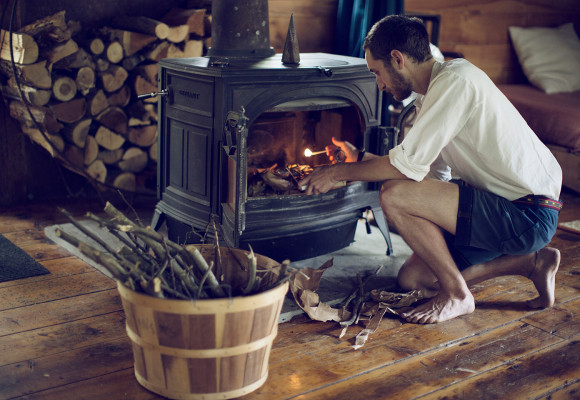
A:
(356, 17)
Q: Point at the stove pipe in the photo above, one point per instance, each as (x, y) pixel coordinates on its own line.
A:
(240, 29)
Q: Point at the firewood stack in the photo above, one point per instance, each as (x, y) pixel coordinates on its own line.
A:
(75, 92)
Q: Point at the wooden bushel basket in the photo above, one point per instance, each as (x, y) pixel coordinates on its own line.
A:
(203, 349)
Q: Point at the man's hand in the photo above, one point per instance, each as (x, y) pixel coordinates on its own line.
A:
(321, 180)
(349, 150)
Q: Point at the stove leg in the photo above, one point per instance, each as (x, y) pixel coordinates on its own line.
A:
(157, 220)
(383, 226)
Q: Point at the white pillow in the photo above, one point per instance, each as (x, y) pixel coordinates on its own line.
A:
(550, 57)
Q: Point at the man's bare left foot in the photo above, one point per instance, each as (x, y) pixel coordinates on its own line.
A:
(440, 308)
(544, 277)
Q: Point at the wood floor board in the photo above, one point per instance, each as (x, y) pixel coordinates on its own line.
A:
(571, 390)
(532, 376)
(62, 336)
(559, 320)
(441, 367)
(45, 251)
(120, 385)
(23, 238)
(58, 268)
(329, 360)
(59, 339)
(79, 364)
(57, 312)
(53, 289)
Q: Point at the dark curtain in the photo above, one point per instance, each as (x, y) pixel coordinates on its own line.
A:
(356, 17)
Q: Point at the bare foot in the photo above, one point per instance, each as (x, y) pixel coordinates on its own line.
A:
(440, 308)
(544, 277)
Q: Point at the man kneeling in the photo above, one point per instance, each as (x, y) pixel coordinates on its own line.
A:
(498, 219)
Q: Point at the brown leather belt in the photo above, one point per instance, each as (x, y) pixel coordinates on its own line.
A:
(541, 201)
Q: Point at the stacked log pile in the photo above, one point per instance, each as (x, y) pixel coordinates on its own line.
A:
(75, 92)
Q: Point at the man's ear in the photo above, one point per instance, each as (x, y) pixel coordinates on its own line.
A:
(397, 59)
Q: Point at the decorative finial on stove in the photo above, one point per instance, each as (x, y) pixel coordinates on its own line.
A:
(291, 54)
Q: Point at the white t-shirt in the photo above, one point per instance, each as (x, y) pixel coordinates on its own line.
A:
(466, 124)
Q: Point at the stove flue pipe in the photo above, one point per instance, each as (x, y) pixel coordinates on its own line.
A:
(240, 29)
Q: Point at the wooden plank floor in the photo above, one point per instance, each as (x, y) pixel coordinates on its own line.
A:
(62, 336)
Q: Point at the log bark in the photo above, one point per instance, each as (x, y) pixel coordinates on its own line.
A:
(78, 59)
(52, 28)
(131, 62)
(64, 88)
(25, 48)
(158, 52)
(139, 111)
(75, 156)
(121, 97)
(71, 111)
(194, 18)
(132, 42)
(143, 86)
(57, 53)
(35, 96)
(114, 118)
(109, 139)
(43, 116)
(36, 75)
(52, 143)
(77, 133)
(141, 24)
(149, 72)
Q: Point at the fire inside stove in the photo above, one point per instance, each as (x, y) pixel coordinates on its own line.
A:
(285, 147)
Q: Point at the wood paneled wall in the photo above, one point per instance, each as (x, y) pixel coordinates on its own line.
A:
(315, 23)
(479, 28)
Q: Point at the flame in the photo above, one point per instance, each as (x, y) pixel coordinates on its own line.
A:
(310, 153)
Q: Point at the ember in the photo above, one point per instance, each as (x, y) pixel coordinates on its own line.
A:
(277, 181)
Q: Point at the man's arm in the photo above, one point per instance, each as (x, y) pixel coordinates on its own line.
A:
(371, 169)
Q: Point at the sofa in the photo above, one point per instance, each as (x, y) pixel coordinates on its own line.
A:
(550, 100)
(555, 118)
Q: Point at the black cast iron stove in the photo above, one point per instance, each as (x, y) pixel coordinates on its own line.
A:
(226, 114)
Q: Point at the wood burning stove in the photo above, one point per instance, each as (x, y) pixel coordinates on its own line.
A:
(221, 119)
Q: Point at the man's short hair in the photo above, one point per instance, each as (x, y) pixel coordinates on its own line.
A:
(398, 32)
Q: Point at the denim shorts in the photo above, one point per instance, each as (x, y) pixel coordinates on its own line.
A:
(489, 226)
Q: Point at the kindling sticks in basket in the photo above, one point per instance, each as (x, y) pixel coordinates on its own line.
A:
(150, 263)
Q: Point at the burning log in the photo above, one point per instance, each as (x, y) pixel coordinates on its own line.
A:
(278, 180)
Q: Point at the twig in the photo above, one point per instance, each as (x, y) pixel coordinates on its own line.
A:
(88, 233)
(252, 267)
